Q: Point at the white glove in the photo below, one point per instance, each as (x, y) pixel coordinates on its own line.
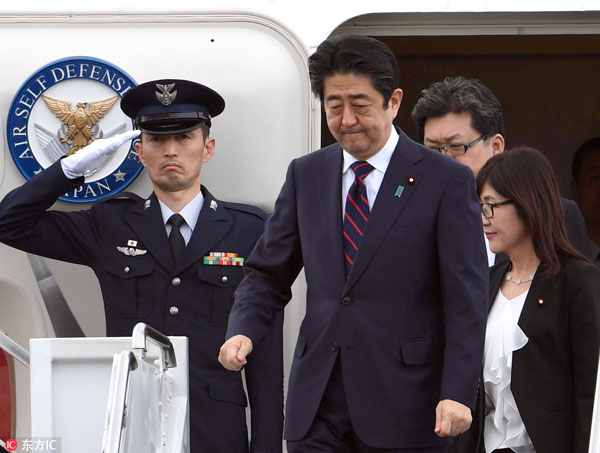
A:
(89, 159)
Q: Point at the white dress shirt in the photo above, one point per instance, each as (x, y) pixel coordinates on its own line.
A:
(190, 214)
(379, 161)
(504, 427)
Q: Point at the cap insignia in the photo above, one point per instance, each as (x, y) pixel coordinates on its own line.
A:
(165, 97)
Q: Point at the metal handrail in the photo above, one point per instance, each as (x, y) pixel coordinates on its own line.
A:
(14, 349)
(125, 364)
(143, 332)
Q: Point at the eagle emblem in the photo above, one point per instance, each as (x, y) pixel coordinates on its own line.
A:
(165, 97)
(80, 123)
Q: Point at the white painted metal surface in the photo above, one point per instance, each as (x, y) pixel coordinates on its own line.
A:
(70, 380)
(310, 20)
(148, 406)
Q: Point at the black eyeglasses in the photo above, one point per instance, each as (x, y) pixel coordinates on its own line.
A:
(487, 209)
(457, 149)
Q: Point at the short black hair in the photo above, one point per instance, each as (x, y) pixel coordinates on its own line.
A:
(457, 95)
(359, 55)
(593, 144)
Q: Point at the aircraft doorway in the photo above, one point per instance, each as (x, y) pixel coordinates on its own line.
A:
(543, 68)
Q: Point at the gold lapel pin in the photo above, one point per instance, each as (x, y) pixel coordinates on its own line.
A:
(540, 301)
(411, 180)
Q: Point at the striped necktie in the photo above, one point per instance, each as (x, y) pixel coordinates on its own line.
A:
(356, 213)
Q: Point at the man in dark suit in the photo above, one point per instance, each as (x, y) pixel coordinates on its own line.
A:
(585, 187)
(158, 259)
(462, 118)
(389, 352)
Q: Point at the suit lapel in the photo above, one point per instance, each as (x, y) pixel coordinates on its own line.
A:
(539, 290)
(402, 171)
(531, 315)
(147, 222)
(330, 202)
(213, 224)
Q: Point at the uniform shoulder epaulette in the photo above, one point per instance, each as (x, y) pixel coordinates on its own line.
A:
(122, 196)
(245, 208)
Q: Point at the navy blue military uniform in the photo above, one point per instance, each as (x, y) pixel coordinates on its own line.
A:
(124, 240)
(193, 300)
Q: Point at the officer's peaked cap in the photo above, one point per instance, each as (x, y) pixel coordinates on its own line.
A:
(171, 106)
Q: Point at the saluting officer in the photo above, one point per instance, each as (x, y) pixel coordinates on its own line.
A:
(172, 260)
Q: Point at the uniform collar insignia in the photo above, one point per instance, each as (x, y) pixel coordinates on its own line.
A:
(165, 97)
(213, 205)
(147, 203)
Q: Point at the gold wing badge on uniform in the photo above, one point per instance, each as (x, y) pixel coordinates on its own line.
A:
(80, 123)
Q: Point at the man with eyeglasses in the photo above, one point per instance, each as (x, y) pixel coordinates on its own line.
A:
(461, 118)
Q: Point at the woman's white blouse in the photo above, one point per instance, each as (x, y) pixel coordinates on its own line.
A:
(504, 427)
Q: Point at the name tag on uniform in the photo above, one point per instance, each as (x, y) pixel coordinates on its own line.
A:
(223, 259)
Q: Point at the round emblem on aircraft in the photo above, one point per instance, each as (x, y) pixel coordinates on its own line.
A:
(63, 107)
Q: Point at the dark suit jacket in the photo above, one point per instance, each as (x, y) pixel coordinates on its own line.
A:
(576, 229)
(143, 288)
(554, 375)
(408, 323)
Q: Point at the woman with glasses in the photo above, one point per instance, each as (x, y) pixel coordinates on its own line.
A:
(543, 331)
